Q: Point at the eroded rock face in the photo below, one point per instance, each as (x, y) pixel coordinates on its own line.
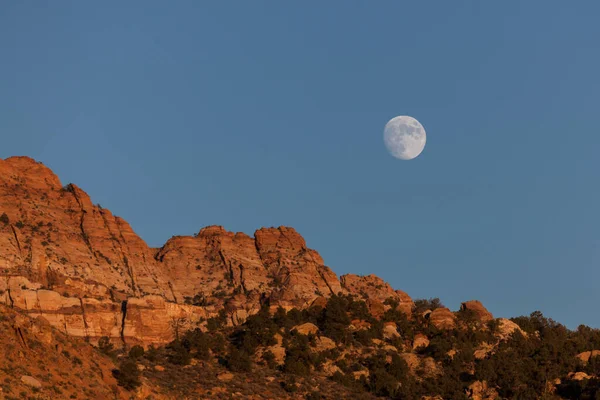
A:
(45, 357)
(89, 274)
(306, 329)
(298, 273)
(213, 264)
(480, 390)
(55, 236)
(420, 341)
(506, 327)
(586, 355)
(480, 312)
(578, 376)
(442, 318)
(390, 330)
(375, 288)
(78, 265)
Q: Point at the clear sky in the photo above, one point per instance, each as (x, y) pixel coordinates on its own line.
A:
(178, 115)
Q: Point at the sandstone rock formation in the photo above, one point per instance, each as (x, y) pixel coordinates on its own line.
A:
(480, 390)
(306, 329)
(37, 358)
(390, 330)
(578, 376)
(442, 318)
(90, 275)
(479, 311)
(420, 340)
(375, 288)
(506, 327)
(483, 350)
(586, 355)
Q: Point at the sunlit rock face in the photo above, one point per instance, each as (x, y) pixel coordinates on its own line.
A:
(88, 273)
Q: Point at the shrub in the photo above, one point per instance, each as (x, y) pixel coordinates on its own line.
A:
(334, 320)
(269, 358)
(136, 352)
(4, 219)
(128, 375)
(259, 329)
(152, 353)
(215, 323)
(105, 346)
(422, 305)
(199, 343)
(298, 356)
(382, 383)
(178, 353)
(239, 361)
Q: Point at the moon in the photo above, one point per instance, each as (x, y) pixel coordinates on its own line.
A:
(404, 137)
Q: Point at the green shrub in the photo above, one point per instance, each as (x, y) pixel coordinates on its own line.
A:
(105, 346)
(269, 359)
(239, 361)
(128, 375)
(334, 320)
(422, 305)
(215, 323)
(136, 352)
(178, 353)
(199, 343)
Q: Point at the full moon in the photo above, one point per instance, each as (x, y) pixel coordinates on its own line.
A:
(404, 137)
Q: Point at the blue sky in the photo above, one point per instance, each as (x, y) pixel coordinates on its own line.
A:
(249, 114)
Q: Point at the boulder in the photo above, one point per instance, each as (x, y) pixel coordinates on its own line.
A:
(506, 327)
(480, 312)
(586, 355)
(442, 318)
(420, 340)
(225, 376)
(390, 331)
(323, 343)
(578, 376)
(306, 329)
(375, 288)
(329, 368)
(31, 381)
(483, 350)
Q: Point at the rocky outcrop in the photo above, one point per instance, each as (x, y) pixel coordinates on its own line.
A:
(478, 310)
(37, 358)
(480, 390)
(442, 318)
(55, 236)
(212, 265)
(306, 329)
(298, 273)
(390, 331)
(374, 288)
(506, 328)
(420, 341)
(150, 319)
(578, 376)
(87, 272)
(586, 355)
(483, 350)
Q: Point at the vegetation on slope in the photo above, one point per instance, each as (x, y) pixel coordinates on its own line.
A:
(470, 360)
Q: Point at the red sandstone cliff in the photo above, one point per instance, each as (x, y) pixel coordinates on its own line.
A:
(88, 273)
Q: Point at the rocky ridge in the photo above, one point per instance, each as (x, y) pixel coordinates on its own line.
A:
(89, 274)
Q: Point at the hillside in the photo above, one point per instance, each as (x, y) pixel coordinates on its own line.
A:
(91, 311)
